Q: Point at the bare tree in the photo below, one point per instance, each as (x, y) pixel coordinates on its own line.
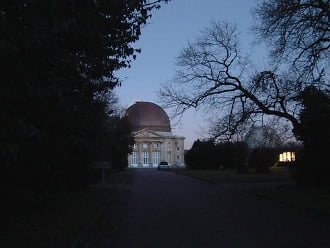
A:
(262, 137)
(298, 31)
(214, 75)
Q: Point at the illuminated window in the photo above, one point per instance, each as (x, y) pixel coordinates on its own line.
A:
(287, 157)
(134, 158)
(155, 157)
(145, 157)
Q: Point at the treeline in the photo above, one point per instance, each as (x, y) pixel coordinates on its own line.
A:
(57, 69)
(311, 166)
(209, 155)
(230, 155)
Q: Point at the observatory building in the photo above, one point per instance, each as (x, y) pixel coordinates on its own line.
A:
(154, 140)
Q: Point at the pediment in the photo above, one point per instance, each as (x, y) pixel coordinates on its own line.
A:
(146, 133)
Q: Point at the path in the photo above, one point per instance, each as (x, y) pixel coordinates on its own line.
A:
(164, 209)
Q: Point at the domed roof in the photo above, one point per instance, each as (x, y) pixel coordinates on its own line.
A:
(148, 115)
(259, 136)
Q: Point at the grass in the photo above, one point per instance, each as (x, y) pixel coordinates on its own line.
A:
(277, 174)
(57, 223)
(316, 199)
(291, 194)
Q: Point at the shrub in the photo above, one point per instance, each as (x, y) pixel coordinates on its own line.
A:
(208, 155)
(262, 159)
(202, 155)
(240, 157)
(232, 155)
(226, 155)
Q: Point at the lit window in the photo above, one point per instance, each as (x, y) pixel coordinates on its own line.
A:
(134, 158)
(287, 157)
(156, 157)
(145, 157)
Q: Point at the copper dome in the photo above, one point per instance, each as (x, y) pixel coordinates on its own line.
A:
(148, 115)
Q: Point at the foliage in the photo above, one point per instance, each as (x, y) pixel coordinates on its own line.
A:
(57, 59)
(122, 142)
(202, 155)
(53, 222)
(232, 155)
(297, 33)
(225, 153)
(313, 164)
(240, 157)
(208, 155)
(262, 158)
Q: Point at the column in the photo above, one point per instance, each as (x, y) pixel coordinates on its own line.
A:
(163, 150)
(150, 153)
(139, 153)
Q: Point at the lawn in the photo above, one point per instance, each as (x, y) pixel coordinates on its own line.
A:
(60, 222)
(315, 199)
(277, 174)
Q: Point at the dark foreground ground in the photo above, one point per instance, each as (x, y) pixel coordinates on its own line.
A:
(164, 209)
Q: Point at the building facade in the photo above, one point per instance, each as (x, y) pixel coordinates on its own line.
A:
(154, 140)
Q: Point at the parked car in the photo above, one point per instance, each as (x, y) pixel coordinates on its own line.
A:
(163, 166)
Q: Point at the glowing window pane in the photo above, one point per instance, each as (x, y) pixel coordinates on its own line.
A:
(287, 157)
(281, 157)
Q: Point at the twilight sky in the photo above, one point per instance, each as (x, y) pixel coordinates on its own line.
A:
(168, 31)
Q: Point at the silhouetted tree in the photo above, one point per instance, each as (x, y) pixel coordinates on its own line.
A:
(240, 156)
(225, 152)
(231, 155)
(208, 155)
(213, 74)
(122, 142)
(202, 155)
(262, 158)
(57, 58)
(297, 33)
(314, 132)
